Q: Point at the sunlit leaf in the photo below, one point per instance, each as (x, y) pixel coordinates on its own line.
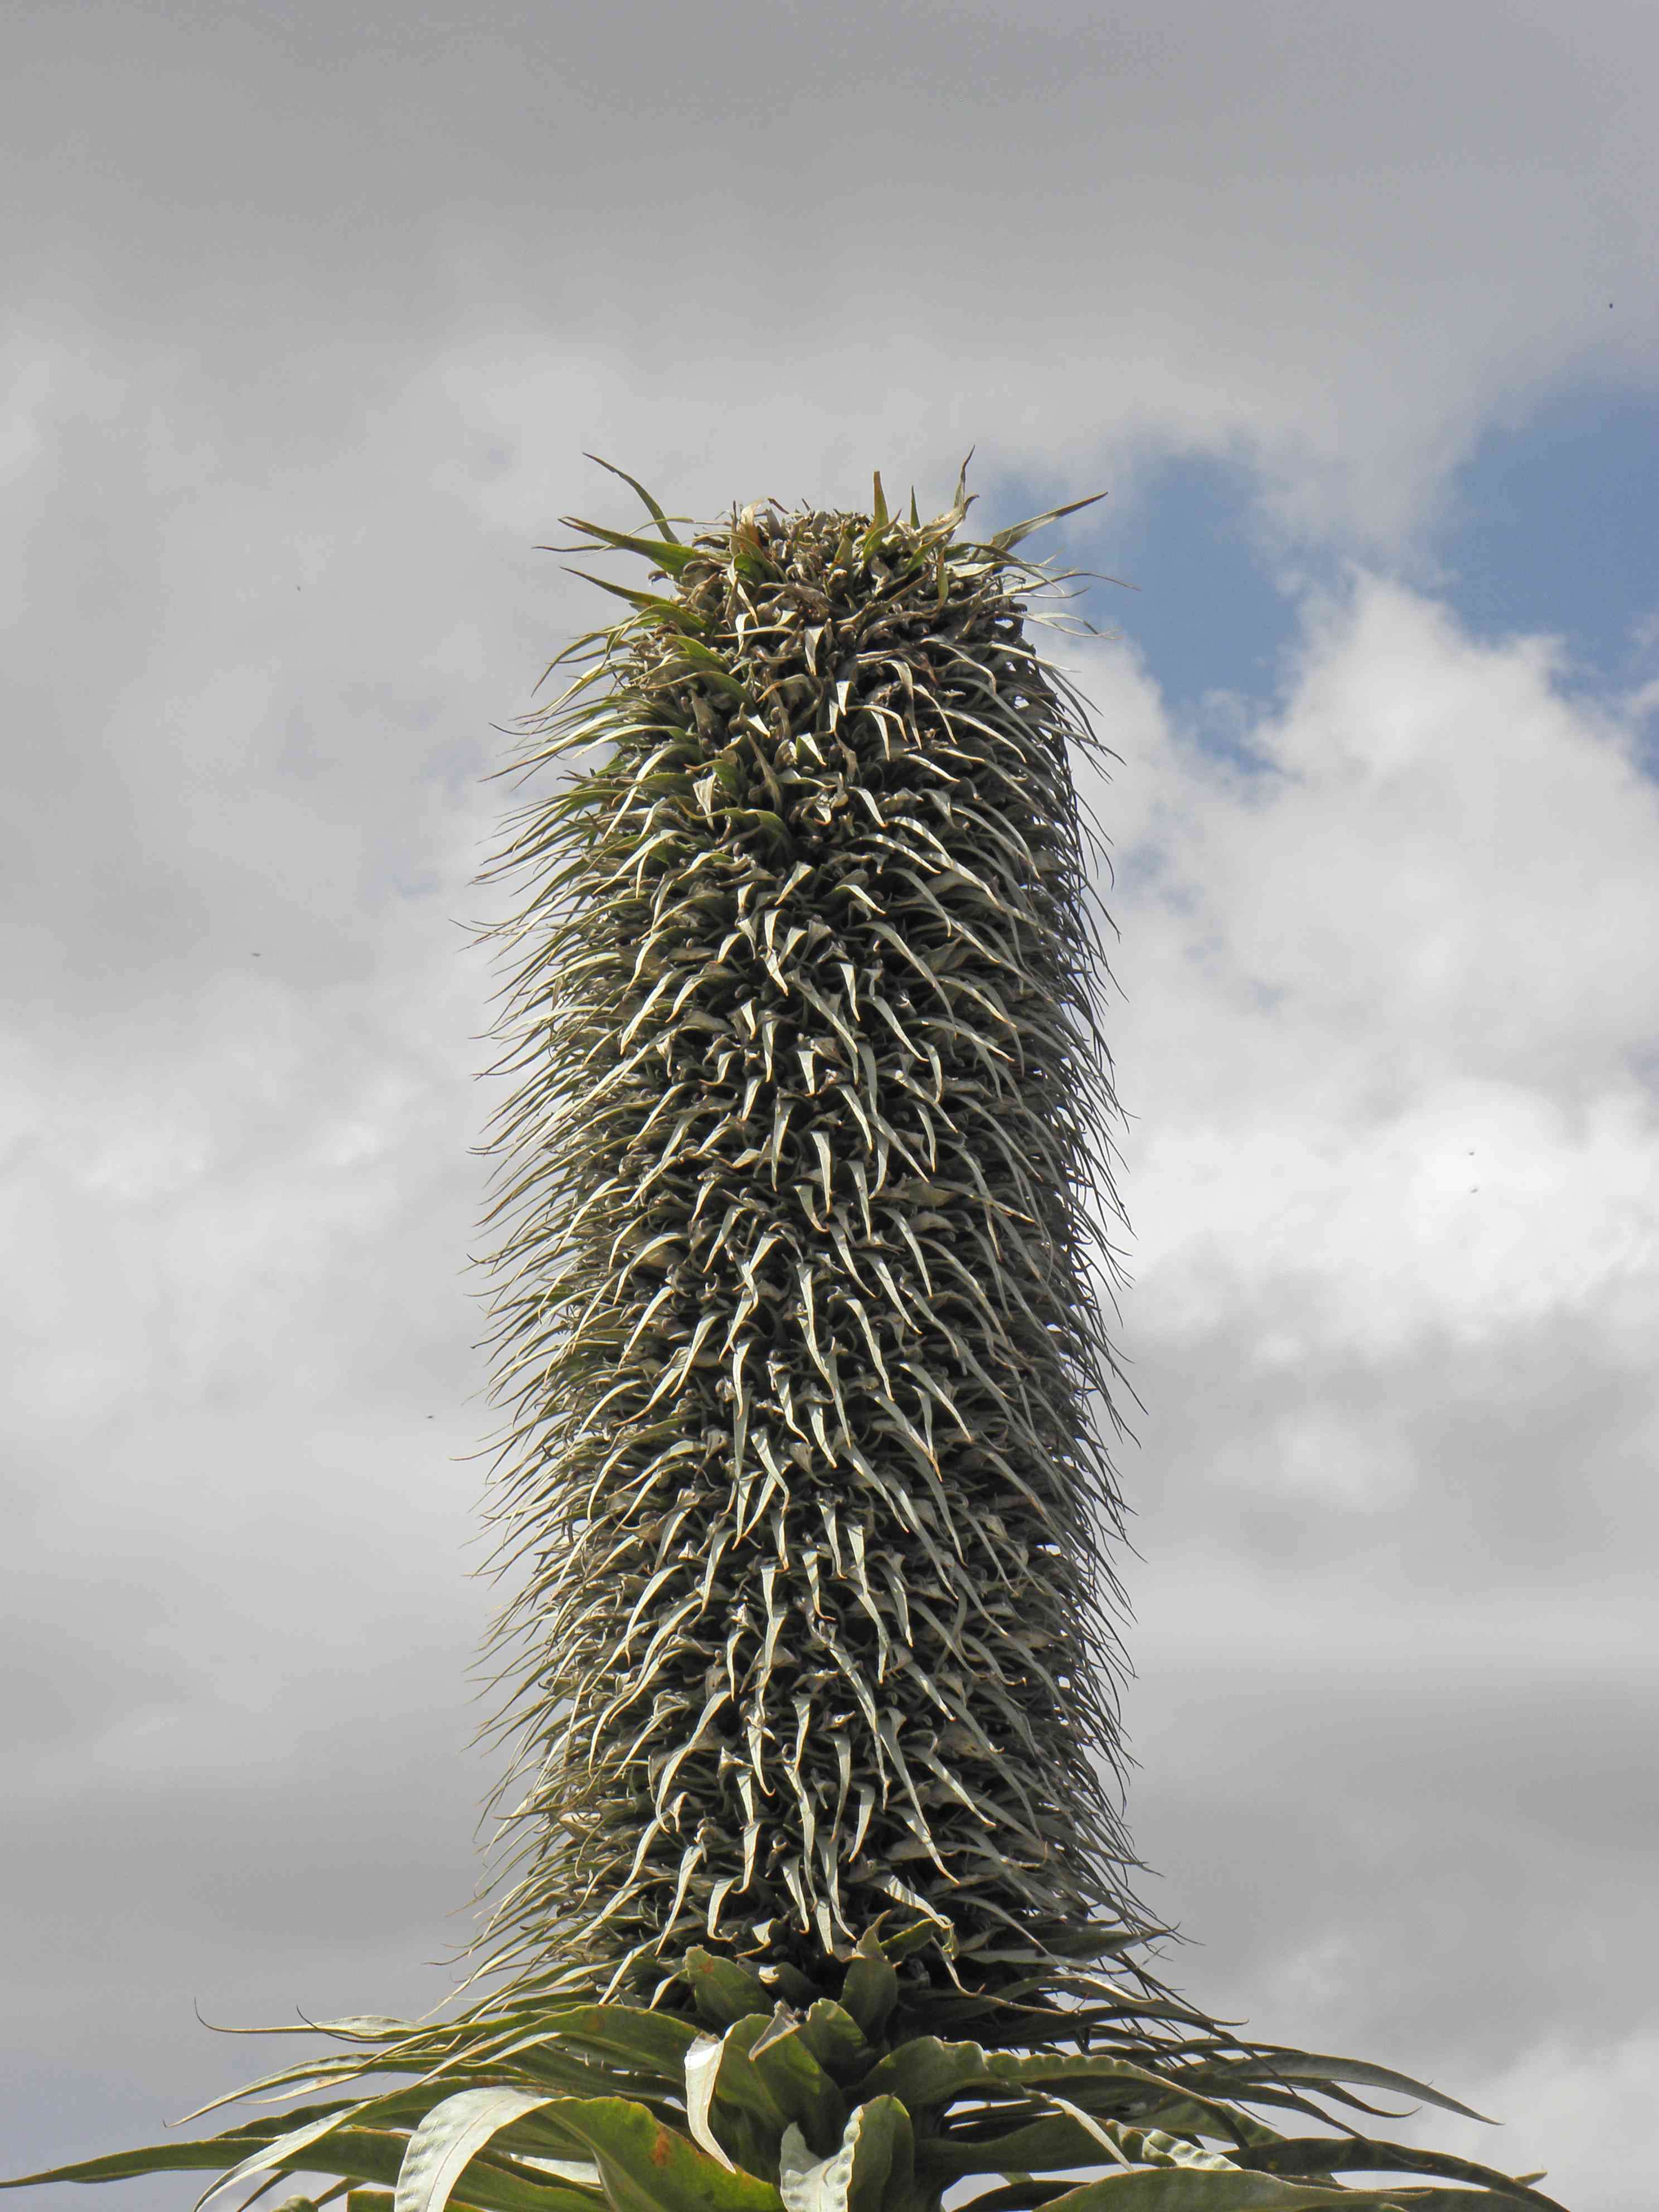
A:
(649, 2167)
(448, 2140)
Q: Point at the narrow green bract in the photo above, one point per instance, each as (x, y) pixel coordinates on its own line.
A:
(800, 1286)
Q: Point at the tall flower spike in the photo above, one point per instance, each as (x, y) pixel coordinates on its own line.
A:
(799, 1287)
(802, 1199)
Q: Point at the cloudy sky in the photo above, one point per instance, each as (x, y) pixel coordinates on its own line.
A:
(310, 316)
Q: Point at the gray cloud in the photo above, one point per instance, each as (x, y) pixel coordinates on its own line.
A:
(1337, 237)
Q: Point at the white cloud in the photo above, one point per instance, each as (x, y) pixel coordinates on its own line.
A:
(1339, 241)
(1390, 998)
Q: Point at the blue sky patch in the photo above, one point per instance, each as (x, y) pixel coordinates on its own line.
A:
(1209, 614)
(1550, 527)
(1554, 527)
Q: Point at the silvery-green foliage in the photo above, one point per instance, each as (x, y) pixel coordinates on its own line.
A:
(801, 1274)
(573, 2107)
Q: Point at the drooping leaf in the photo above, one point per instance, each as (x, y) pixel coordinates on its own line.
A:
(1015, 534)
(646, 2166)
(1321, 2156)
(654, 2041)
(781, 2058)
(869, 2168)
(725, 1991)
(1192, 2189)
(661, 520)
(703, 2066)
(1038, 2146)
(835, 2040)
(925, 2072)
(205, 2154)
(446, 2141)
(870, 1989)
(1311, 2067)
(669, 557)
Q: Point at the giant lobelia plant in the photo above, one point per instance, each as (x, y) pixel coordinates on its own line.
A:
(812, 1893)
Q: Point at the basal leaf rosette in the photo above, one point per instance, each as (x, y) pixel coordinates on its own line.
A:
(616, 2108)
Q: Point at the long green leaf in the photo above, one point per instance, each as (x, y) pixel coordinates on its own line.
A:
(448, 2140)
(1192, 2189)
(661, 520)
(649, 2167)
(1005, 540)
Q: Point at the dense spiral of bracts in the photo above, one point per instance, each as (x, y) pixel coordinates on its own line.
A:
(798, 1305)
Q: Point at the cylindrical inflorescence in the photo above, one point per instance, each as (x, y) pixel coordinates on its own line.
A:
(798, 1302)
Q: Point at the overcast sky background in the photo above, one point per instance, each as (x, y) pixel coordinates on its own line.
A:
(310, 314)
